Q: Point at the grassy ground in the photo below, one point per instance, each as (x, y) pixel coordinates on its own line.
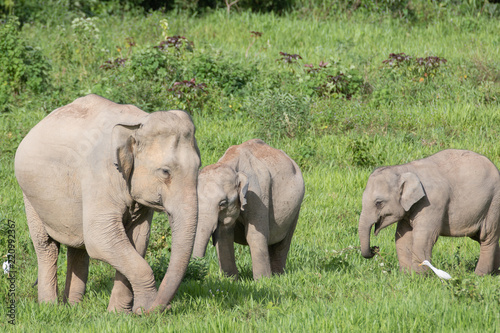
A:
(396, 115)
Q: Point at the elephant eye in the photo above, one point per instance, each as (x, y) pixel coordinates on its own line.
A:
(165, 172)
(379, 204)
(223, 204)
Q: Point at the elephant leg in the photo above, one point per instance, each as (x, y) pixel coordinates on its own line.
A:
(225, 250)
(257, 238)
(404, 245)
(106, 240)
(279, 252)
(122, 297)
(488, 256)
(423, 242)
(47, 251)
(76, 275)
(496, 266)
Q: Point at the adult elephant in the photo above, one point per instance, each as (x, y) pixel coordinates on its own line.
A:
(92, 173)
(451, 193)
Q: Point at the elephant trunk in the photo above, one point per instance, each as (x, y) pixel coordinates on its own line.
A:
(183, 225)
(206, 226)
(364, 230)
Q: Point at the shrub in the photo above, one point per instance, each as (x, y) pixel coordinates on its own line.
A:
(21, 66)
(328, 80)
(363, 154)
(279, 114)
(189, 95)
(415, 69)
(219, 70)
(155, 64)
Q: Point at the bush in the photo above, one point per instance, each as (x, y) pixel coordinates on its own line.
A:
(279, 114)
(154, 64)
(219, 70)
(21, 66)
(363, 152)
(328, 79)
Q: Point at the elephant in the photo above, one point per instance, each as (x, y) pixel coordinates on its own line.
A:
(453, 193)
(251, 196)
(92, 174)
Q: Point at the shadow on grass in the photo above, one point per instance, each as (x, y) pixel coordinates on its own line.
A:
(302, 257)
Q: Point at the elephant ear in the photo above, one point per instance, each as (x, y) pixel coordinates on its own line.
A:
(411, 190)
(242, 189)
(123, 143)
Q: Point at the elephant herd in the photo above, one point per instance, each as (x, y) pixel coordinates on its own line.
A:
(93, 172)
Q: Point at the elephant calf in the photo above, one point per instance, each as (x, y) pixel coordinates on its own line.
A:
(452, 193)
(251, 196)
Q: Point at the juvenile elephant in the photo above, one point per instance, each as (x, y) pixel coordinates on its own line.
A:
(92, 173)
(251, 196)
(452, 193)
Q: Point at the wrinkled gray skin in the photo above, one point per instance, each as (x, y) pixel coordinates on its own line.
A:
(92, 173)
(452, 193)
(251, 196)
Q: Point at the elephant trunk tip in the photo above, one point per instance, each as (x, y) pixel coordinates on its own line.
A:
(372, 251)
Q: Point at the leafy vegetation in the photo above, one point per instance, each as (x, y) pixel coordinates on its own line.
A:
(341, 86)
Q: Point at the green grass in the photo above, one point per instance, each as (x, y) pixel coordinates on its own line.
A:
(328, 285)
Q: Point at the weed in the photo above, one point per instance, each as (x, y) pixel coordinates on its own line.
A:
(87, 34)
(465, 290)
(110, 64)
(189, 94)
(305, 158)
(219, 70)
(153, 64)
(21, 65)
(363, 154)
(417, 69)
(255, 35)
(178, 43)
(289, 58)
(279, 114)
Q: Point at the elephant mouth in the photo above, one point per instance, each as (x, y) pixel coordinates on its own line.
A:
(378, 227)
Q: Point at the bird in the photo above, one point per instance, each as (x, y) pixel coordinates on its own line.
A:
(6, 267)
(441, 274)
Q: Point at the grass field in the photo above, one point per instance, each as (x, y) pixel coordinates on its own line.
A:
(374, 115)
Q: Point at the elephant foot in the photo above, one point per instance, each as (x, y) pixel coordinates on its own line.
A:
(156, 309)
(142, 304)
(159, 308)
(119, 309)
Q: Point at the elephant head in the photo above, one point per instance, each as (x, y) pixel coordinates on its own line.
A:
(388, 197)
(222, 196)
(159, 161)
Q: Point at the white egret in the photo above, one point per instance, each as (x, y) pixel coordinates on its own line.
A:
(6, 267)
(441, 274)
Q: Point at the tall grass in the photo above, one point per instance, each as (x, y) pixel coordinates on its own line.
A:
(328, 286)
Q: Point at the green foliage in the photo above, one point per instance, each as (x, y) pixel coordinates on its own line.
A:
(363, 152)
(306, 156)
(279, 114)
(197, 269)
(416, 69)
(153, 64)
(466, 290)
(414, 11)
(236, 93)
(221, 71)
(21, 66)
